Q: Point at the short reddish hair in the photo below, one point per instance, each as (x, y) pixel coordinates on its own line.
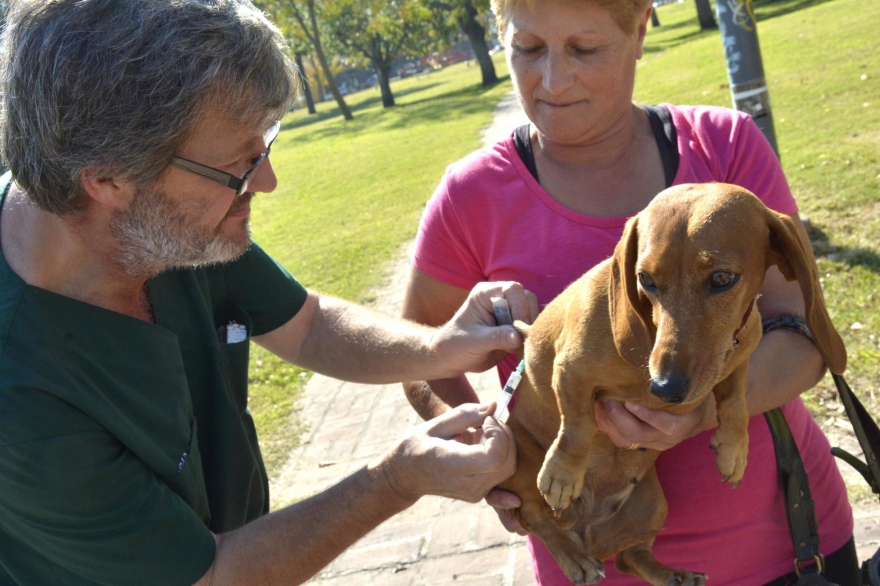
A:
(626, 13)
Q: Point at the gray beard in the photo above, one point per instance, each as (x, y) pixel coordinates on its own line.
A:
(154, 235)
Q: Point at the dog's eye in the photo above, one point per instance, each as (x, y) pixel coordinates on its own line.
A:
(721, 280)
(646, 281)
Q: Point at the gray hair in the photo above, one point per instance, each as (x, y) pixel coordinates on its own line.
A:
(118, 86)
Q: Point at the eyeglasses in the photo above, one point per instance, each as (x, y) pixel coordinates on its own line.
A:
(224, 178)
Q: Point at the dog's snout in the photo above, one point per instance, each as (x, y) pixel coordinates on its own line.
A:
(672, 388)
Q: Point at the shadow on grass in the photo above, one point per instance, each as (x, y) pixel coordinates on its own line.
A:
(446, 106)
(767, 9)
(358, 107)
(690, 31)
(822, 246)
(685, 37)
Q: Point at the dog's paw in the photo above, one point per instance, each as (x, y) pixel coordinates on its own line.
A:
(560, 482)
(581, 568)
(685, 578)
(730, 459)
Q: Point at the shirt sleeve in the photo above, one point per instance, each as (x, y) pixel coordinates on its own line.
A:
(735, 151)
(442, 249)
(81, 509)
(264, 289)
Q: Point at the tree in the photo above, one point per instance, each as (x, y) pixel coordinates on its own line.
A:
(305, 15)
(307, 92)
(705, 15)
(472, 20)
(378, 31)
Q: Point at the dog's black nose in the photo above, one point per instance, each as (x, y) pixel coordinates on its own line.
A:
(671, 389)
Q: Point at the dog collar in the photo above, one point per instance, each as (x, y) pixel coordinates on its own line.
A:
(745, 320)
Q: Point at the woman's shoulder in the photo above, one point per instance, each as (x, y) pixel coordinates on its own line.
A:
(703, 119)
(485, 165)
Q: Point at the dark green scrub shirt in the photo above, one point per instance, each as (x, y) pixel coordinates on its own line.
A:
(123, 443)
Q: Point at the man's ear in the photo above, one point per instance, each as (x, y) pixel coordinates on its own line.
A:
(104, 190)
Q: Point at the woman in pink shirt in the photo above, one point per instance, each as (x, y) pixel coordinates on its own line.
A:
(549, 202)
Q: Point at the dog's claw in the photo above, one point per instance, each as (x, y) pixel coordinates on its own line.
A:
(683, 578)
(582, 568)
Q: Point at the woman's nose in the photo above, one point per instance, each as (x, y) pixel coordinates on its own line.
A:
(557, 75)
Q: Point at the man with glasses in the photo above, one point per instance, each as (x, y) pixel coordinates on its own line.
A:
(137, 134)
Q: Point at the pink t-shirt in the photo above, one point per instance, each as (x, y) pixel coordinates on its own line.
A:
(490, 220)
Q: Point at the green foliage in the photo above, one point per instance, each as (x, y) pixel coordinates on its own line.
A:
(377, 31)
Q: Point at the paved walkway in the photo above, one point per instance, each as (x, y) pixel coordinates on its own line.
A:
(438, 541)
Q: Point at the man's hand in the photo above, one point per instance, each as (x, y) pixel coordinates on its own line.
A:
(430, 460)
(471, 341)
(627, 424)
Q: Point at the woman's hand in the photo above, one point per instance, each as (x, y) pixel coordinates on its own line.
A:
(629, 424)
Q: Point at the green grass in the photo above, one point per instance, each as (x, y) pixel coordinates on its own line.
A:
(349, 194)
(822, 63)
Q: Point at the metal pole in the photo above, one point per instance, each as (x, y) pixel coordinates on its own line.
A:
(748, 87)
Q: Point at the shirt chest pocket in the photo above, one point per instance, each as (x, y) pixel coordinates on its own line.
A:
(234, 327)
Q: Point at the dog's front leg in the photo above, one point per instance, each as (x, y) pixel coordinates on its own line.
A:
(731, 439)
(561, 479)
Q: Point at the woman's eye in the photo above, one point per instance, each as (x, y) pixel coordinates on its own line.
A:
(583, 52)
(527, 50)
(721, 279)
(646, 281)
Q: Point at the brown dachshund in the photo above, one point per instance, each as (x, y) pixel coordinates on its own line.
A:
(666, 321)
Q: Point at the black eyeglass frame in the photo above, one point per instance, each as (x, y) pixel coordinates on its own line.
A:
(239, 184)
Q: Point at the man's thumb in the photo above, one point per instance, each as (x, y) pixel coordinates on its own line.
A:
(455, 421)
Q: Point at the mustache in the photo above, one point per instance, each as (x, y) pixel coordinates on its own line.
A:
(241, 201)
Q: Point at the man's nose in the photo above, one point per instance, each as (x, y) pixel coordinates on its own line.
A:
(263, 178)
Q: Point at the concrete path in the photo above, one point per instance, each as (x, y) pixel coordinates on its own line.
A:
(438, 541)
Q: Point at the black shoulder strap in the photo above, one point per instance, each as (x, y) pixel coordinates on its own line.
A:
(667, 140)
(800, 509)
(522, 140)
(866, 432)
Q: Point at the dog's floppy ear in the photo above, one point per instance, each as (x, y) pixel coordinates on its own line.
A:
(794, 261)
(631, 322)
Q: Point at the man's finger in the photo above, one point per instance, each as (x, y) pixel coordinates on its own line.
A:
(456, 421)
(520, 302)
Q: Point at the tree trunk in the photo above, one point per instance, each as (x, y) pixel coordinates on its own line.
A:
(477, 35)
(655, 21)
(310, 101)
(322, 59)
(705, 15)
(383, 70)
